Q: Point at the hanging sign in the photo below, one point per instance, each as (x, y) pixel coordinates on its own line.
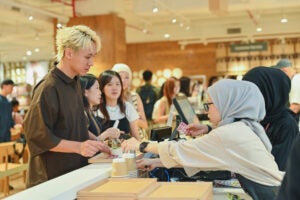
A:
(259, 46)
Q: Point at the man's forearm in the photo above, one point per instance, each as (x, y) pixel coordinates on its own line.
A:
(67, 146)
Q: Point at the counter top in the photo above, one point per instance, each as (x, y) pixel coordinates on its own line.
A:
(66, 186)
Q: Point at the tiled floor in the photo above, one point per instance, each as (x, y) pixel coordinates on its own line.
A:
(17, 182)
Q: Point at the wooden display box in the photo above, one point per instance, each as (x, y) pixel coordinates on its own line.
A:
(117, 189)
(105, 158)
(179, 191)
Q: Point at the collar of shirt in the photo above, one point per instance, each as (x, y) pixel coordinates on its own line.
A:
(63, 76)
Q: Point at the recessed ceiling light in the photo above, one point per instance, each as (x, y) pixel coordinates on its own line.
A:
(258, 29)
(58, 25)
(30, 18)
(28, 53)
(167, 35)
(174, 20)
(155, 9)
(37, 50)
(284, 20)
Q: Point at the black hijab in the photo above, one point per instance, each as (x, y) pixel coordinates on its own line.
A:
(275, 86)
(279, 121)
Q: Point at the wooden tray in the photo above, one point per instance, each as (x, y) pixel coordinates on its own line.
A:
(116, 188)
(100, 158)
(105, 158)
(179, 191)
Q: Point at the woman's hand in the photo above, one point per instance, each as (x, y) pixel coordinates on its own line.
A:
(110, 133)
(148, 163)
(196, 129)
(130, 144)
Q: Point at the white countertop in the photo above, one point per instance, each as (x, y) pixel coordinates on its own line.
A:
(66, 186)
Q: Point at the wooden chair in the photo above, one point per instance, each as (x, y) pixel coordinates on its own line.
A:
(8, 168)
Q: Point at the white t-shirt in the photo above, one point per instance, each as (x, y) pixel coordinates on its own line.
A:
(233, 147)
(115, 112)
(295, 90)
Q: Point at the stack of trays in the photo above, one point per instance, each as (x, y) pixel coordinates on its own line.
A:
(145, 189)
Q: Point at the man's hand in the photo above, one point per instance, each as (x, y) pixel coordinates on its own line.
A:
(89, 148)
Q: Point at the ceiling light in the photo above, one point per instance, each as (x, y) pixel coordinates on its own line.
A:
(155, 9)
(284, 20)
(30, 18)
(258, 29)
(167, 35)
(187, 28)
(28, 53)
(181, 24)
(174, 20)
(37, 50)
(58, 25)
(145, 31)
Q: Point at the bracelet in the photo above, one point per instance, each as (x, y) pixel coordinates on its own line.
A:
(209, 128)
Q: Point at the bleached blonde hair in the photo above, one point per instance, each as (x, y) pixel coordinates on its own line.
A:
(76, 37)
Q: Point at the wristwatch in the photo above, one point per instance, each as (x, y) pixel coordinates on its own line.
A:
(143, 146)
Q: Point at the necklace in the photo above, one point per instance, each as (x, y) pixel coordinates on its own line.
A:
(112, 109)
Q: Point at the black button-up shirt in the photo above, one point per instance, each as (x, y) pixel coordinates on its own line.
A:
(56, 112)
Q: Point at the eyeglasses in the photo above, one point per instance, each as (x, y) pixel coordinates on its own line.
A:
(206, 106)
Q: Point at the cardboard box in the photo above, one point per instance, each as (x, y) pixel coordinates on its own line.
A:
(117, 188)
(179, 191)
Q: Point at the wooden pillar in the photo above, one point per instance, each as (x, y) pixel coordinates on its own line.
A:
(111, 30)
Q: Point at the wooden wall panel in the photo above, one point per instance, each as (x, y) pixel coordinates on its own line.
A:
(195, 59)
(111, 30)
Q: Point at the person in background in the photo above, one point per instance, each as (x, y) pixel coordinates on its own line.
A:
(238, 143)
(162, 106)
(113, 107)
(279, 122)
(198, 90)
(17, 117)
(132, 97)
(285, 65)
(295, 96)
(197, 97)
(185, 87)
(149, 94)
(6, 120)
(91, 95)
(55, 125)
(212, 80)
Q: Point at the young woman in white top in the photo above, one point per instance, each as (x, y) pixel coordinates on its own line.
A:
(113, 107)
(91, 96)
(133, 97)
(238, 143)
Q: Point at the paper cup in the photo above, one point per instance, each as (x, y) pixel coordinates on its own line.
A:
(116, 152)
(119, 168)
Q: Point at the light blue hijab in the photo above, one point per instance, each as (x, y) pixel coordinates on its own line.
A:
(240, 100)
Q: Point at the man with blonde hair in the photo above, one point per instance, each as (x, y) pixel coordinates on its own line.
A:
(55, 125)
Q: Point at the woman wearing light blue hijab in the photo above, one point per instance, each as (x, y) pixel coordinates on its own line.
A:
(237, 144)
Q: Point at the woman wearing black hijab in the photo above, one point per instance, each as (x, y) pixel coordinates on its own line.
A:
(279, 123)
